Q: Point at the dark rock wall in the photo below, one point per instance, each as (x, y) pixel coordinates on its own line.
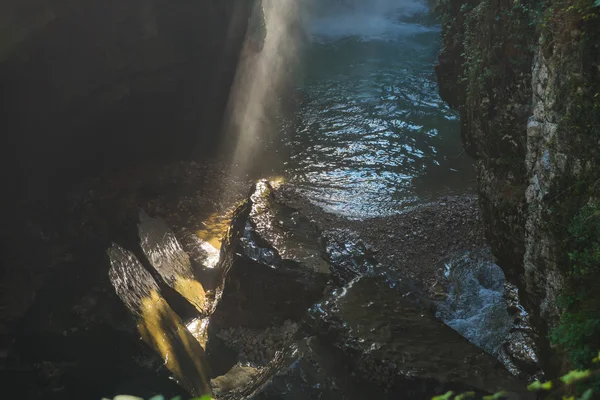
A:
(479, 76)
(523, 77)
(101, 84)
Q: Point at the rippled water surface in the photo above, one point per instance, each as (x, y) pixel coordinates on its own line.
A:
(371, 134)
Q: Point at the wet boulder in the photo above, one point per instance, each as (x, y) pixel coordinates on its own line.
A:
(368, 340)
(399, 346)
(273, 265)
(165, 254)
(348, 256)
(310, 314)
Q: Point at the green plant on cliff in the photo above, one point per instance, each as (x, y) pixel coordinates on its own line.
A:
(497, 42)
(579, 329)
(585, 234)
(571, 29)
(574, 385)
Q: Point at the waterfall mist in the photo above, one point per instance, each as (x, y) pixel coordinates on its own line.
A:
(266, 78)
(261, 80)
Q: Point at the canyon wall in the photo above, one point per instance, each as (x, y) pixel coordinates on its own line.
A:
(524, 77)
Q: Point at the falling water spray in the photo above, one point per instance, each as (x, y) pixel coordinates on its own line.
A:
(261, 80)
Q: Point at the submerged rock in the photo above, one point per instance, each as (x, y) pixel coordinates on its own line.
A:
(368, 340)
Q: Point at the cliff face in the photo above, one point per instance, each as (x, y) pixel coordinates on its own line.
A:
(524, 77)
(102, 84)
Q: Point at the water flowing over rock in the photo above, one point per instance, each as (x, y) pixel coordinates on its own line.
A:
(485, 309)
(476, 306)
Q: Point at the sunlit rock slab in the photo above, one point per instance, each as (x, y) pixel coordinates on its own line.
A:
(166, 255)
(158, 324)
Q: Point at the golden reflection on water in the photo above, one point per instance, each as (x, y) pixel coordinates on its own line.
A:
(215, 227)
(276, 181)
(192, 291)
(199, 329)
(164, 331)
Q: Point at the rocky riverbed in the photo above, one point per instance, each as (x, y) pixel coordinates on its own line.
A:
(259, 295)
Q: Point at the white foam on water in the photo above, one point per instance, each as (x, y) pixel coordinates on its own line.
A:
(476, 307)
(365, 19)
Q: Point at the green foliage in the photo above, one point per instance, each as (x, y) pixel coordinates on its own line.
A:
(575, 376)
(579, 329)
(496, 396)
(537, 386)
(587, 395)
(445, 396)
(563, 384)
(585, 242)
